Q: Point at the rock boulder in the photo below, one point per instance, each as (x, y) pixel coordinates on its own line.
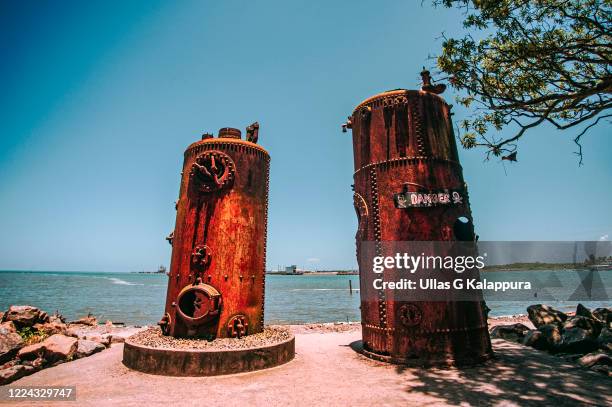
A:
(22, 315)
(540, 314)
(578, 340)
(590, 325)
(104, 339)
(535, 339)
(604, 315)
(53, 349)
(514, 332)
(604, 340)
(9, 326)
(86, 348)
(59, 347)
(12, 373)
(89, 320)
(551, 335)
(31, 352)
(51, 327)
(583, 311)
(10, 343)
(595, 358)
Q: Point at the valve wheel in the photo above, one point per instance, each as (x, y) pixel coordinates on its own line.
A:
(212, 171)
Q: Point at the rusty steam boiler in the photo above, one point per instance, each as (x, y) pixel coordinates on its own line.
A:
(404, 145)
(217, 273)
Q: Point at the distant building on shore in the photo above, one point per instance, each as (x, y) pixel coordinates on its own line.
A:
(293, 270)
(289, 270)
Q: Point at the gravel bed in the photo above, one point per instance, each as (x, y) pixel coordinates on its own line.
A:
(326, 327)
(153, 338)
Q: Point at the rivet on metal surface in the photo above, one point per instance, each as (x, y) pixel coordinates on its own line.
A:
(382, 314)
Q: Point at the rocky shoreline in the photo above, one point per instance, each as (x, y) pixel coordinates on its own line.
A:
(584, 337)
(31, 339)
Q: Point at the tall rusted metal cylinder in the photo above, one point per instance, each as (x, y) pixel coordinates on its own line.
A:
(217, 274)
(403, 143)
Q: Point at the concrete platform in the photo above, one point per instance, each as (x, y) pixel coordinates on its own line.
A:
(327, 371)
(209, 362)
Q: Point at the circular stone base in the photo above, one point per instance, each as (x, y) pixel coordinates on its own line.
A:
(464, 361)
(151, 352)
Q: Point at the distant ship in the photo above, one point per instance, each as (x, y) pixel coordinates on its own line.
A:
(161, 270)
(601, 267)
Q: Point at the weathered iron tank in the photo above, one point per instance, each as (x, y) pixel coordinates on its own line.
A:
(409, 187)
(217, 275)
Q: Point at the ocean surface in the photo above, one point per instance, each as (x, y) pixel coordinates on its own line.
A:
(138, 299)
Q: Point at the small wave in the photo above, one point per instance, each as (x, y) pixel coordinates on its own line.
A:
(120, 281)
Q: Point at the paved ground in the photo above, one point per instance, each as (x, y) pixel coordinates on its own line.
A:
(326, 371)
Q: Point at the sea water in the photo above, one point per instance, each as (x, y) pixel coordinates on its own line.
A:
(138, 299)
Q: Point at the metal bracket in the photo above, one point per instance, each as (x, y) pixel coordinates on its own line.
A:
(237, 327)
(201, 256)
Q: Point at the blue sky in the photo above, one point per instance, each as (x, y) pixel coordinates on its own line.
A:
(100, 99)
